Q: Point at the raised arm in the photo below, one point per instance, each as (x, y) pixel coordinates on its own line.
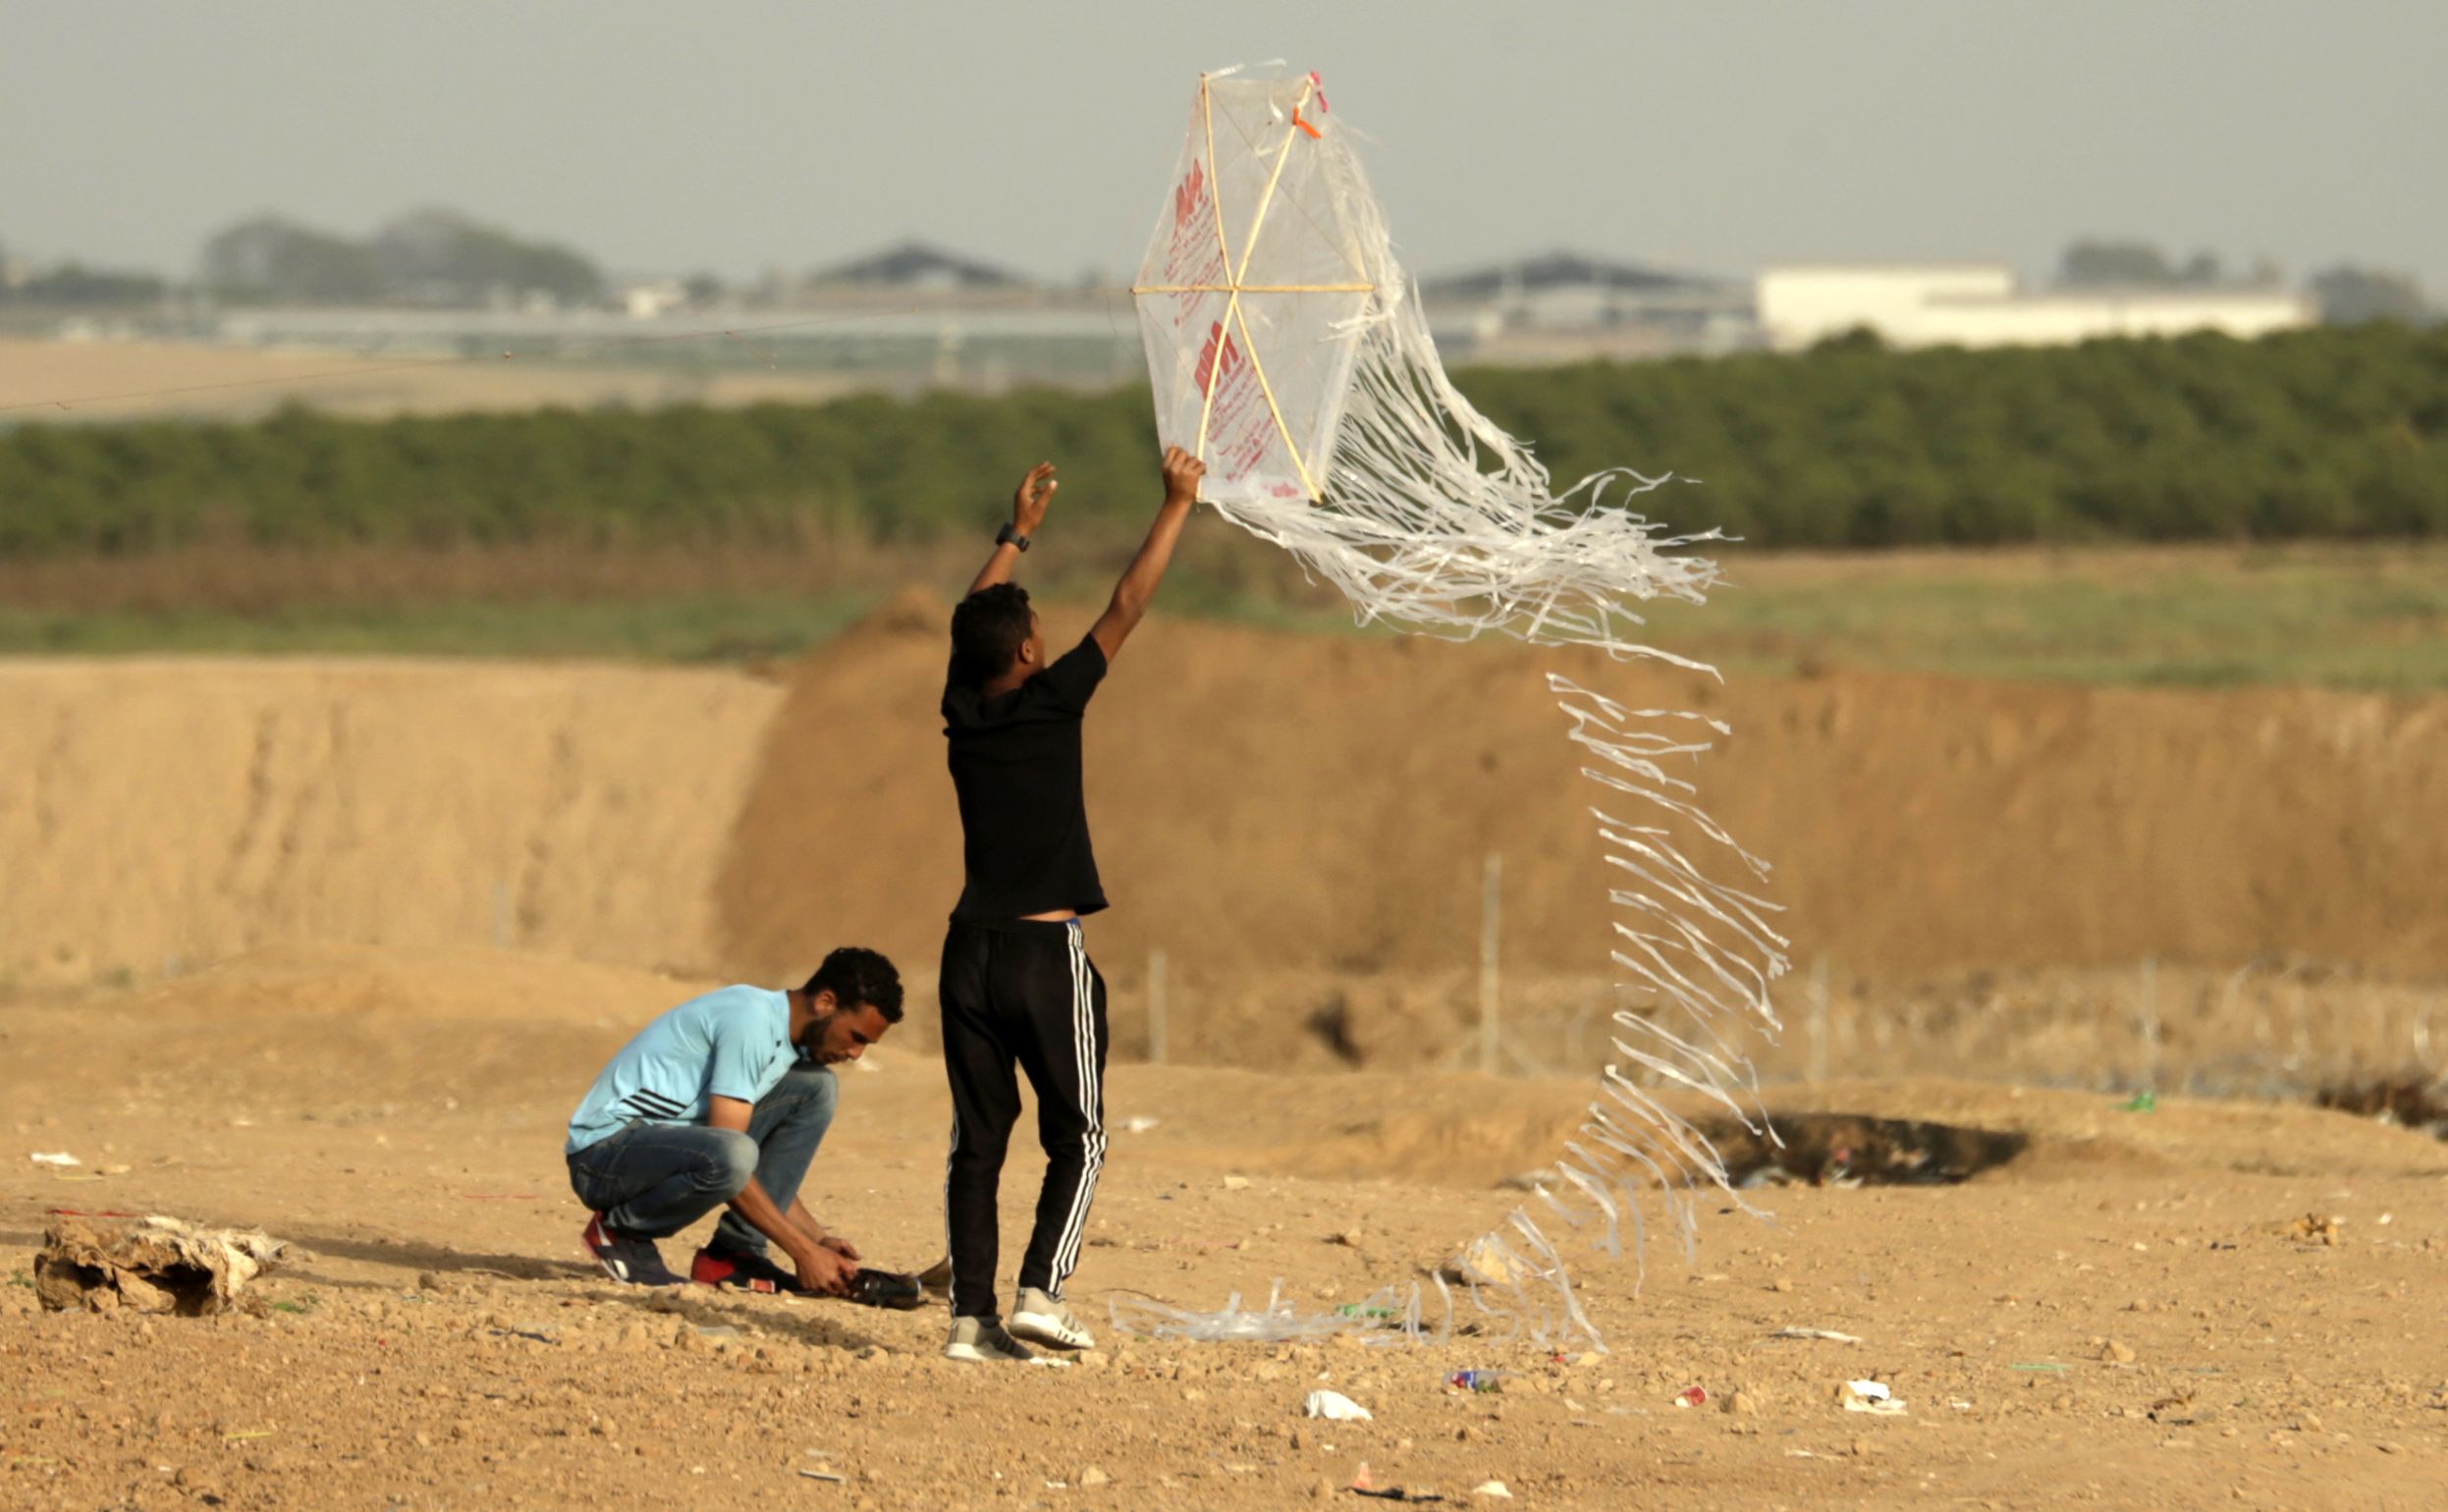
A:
(1028, 511)
(1137, 589)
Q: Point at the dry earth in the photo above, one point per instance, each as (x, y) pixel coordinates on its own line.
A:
(2121, 1315)
(109, 380)
(1264, 800)
(1264, 804)
(159, 814)
(2119, 1307)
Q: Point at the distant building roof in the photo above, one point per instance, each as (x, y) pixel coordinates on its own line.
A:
(916, 265)
(1556, 270)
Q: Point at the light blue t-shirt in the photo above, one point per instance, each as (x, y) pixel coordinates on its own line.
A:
(731, 1042)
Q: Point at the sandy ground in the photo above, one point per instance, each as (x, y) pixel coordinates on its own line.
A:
(133, 380)
(2119, 1307)
(2121, 1315)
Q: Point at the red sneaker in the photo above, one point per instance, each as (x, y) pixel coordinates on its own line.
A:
(754, 1272)
(743, 1272)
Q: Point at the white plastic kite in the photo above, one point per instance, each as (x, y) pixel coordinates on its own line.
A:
(1286, 349)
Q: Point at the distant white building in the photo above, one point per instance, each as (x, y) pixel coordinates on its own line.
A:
(1976, 305)
(1564, 307)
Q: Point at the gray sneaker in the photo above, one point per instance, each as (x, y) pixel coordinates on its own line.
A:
(984, 1340)
(1048, 1321)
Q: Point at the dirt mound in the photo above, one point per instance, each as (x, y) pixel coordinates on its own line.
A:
(1265, 801)
(162, 813)
(1299, 821)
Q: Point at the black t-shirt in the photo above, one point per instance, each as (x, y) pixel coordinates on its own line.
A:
(1023, 816)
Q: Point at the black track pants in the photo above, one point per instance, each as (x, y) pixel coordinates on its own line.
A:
(1021, 993)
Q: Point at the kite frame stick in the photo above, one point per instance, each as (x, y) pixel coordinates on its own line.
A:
(1253, 288)
(1233, 314)
(1224, 250)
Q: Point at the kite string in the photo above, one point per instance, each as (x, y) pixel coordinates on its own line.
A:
(1437, 521)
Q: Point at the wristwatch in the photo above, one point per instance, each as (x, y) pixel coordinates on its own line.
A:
(1007, 536)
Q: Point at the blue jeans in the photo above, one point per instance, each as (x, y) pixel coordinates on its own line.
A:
(651, 1180)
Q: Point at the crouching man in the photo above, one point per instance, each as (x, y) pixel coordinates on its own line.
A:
(722, 1102)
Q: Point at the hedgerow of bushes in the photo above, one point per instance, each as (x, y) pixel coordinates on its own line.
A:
(2322, 433)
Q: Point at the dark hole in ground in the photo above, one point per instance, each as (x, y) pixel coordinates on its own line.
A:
(2418, 1103)
(1852, 1149)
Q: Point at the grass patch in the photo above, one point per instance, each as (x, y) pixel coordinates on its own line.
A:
(2372, 617)
(2342, 617)
(689, 627)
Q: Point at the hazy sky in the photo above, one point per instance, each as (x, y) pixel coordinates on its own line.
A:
(663, 137)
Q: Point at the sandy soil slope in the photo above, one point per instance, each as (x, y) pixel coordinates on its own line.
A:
(1271, 801)
(157, 814)
(1263, 803)
(2119, 1315)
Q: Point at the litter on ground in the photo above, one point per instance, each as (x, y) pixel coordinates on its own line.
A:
(1871, 1396)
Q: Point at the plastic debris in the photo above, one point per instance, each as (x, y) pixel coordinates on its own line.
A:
(1237, 1183)
(2145, 1102)
(1873, 1397)
(1337, 1407)
(1829, 1334)
(54, 1157)
(824, 1475)
(1385, 1317)
(158, 1265)
(1690, 1396)
(1140, 1124)
(1476, 1380)
(1496, 1489)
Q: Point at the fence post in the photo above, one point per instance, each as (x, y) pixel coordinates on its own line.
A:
(1490, 918)
(1818, 1019)
(1157, 1035)
(2150, 1023)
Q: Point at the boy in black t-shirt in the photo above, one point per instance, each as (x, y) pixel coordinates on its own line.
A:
(1018, 987)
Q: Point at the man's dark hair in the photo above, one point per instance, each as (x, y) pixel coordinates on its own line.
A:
(988, 630)
(854, 976)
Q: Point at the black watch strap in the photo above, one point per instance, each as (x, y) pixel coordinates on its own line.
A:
(1007, 536)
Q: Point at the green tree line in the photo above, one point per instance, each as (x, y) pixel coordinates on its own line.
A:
(2321, 433)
